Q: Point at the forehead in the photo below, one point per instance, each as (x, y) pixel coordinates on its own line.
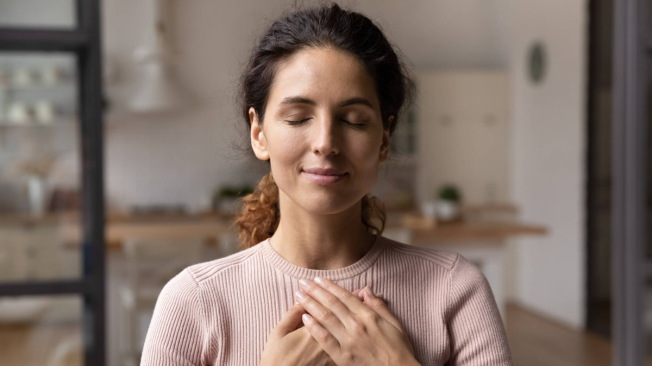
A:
(325, 75)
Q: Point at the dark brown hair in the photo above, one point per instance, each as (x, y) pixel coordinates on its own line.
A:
(321, 26)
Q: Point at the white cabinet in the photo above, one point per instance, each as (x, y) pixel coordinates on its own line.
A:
(31, 253)
(463, 131)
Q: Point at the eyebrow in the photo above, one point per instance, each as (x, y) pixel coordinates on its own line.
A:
(346, 103)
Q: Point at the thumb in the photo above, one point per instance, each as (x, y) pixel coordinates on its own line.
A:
(289, 322)
(378, 305)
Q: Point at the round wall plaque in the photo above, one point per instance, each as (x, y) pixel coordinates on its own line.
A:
(537, 62)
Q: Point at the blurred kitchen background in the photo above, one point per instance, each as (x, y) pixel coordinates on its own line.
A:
(505, 157)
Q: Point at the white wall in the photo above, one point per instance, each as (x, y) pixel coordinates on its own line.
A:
(463, 134)
(548, 154)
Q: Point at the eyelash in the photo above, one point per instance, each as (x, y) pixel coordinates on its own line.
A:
(297, 122)
(292, 123)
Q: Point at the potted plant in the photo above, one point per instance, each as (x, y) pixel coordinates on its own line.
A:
(448, 202)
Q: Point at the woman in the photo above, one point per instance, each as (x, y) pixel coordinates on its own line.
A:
(321, 96)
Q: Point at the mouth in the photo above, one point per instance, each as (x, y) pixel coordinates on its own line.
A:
(324, 178)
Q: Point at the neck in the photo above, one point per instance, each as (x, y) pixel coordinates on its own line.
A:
(322, 241)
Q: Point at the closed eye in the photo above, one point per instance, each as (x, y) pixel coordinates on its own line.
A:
(354, 124)
(292, 123)
(297, 122)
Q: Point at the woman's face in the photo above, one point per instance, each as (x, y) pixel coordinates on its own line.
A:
(322, 113)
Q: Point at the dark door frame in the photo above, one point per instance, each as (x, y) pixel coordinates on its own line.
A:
(600, 34)
(84, 41)
(629, 196)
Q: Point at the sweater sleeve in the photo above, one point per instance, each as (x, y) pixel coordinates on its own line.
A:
(476, 331)
(176, 332)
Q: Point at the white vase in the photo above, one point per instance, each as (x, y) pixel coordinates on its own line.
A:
(447, 210)
(36, 195)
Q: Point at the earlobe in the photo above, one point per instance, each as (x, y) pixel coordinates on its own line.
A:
(384, 146)
(258, 141)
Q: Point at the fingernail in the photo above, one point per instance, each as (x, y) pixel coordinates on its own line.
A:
(305, 317)
(295, 302)
(300, 294)
(360, 295)
(303, 282)
(318, 280)
(371, 293)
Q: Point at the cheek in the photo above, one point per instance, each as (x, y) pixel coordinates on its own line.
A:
(365, 155)
(285, 151)
(366, 147)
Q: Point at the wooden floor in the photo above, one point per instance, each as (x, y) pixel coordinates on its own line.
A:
(23, 345)
(534, 341)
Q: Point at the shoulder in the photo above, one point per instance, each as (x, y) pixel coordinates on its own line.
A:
(203, 271)
(188, 289)
(441, 258)
(462, 275)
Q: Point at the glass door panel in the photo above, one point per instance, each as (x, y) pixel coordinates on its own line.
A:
(39, 168)
(38, 14)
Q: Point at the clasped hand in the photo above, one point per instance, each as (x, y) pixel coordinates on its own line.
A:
(348, 330)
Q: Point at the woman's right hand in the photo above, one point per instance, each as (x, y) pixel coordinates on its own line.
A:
(289, 346)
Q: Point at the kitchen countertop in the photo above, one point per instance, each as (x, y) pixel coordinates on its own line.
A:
(211, 225)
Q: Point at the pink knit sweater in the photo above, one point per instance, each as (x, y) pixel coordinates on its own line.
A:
(221, 312)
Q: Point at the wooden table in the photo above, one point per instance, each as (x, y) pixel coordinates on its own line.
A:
(152, 228)
(474, 231)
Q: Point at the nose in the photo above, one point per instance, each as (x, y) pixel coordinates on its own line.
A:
(326, 137)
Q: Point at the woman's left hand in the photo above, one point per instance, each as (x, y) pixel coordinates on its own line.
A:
(352, 332)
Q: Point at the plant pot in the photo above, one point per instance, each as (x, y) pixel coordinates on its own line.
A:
(36, 195)
(447, 210)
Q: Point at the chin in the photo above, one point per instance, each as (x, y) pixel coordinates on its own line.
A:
(328, 204)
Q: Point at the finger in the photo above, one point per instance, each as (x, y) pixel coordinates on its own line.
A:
(326, 340)
(379, 306)
(327, 292)
(289, 322)
(323, 314)
(333, 299)
(359, 294)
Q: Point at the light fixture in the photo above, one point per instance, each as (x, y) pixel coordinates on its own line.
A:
(157, 93)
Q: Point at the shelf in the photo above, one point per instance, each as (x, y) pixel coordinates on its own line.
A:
(70, 84)
(54, 123)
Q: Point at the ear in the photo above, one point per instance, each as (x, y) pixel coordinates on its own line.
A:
(384, 146)
(258, 141)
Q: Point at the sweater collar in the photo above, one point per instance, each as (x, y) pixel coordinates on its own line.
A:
(276, 260)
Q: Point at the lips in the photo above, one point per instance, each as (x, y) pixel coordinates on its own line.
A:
(324, 171)
(325, 176)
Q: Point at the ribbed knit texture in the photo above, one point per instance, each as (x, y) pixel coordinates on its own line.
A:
(221, 312)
